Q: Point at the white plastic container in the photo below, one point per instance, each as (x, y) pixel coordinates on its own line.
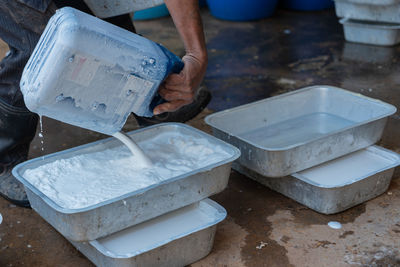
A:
(92, 74)
(374, 33)
(370, 10)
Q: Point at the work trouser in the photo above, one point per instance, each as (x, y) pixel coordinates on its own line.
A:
(21, 23)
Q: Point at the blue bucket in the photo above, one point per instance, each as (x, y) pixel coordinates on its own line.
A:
(151, 13)
(241, 10)
(307, 5)
(202, 3)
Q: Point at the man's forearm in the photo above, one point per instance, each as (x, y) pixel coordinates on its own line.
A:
(180, 89)
(186, 17)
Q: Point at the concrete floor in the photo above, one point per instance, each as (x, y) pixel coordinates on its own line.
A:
(251, 61)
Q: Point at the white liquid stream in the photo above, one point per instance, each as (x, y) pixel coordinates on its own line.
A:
(140, 156)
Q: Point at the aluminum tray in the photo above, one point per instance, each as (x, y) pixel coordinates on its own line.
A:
(135, 207)
(186, 236)
(370, 10)
(288, 133)
(339, 184)
(375, 33)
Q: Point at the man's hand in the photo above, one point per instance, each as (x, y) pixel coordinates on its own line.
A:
(180, 89)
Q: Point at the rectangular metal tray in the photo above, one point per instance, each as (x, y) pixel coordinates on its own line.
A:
(187, 235)
(370, 10)
(339, 184)
(291, 132)
(135, 207)
(374, 33)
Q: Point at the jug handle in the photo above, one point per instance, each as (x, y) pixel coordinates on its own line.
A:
(157, 99)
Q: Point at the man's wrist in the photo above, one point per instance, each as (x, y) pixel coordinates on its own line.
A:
(201, 55)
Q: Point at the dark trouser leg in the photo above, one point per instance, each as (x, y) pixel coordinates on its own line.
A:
(20, 28)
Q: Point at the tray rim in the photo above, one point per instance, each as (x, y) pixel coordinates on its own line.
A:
(222, 215)
(369, 24)
(388, 3)
(15, 171)
(390, 107)
(395, 157)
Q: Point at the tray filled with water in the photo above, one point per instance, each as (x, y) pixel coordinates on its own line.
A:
(291, 132)
(97, 189)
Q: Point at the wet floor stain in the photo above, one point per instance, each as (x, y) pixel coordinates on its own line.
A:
(247, 203)
(366, 238)
(229, 240)
(345, 234)
(310, 217)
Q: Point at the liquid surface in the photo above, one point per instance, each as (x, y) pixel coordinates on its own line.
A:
(295, 131)
(347, 169)
(140, 157)
(161, 229)
(84, 180)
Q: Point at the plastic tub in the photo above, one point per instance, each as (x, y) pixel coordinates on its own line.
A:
(369, 10)
(370, 32)
(151, 13)
(241, 10)
(111, 8)
(307, 5)
(368, 53)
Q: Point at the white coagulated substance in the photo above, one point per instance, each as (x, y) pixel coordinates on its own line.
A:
(88, 179)
(347, 169)
(335, 225)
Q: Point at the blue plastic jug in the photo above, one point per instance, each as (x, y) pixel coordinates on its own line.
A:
(90, 73)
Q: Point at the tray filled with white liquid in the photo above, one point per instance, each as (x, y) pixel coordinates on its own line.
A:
(291, 132)
(178, 238)
(97, 189)
(339, 184)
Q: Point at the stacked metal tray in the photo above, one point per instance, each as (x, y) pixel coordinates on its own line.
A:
(375, 22)
(132, 209)
(178, 238)
(289, 133)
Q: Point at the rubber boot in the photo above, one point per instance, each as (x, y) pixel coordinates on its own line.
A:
(17, 129)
